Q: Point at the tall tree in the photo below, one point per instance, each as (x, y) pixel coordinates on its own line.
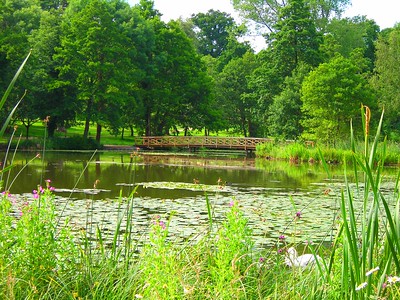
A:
(94, 49)
(332, 95)
(17, 20)
(387, 78)
(45, 96)
(295, 41)
(284, 114)
(296, 38)
(182, 86)
(353, 33)
(213, 30)
(265, 13)
(233, 94)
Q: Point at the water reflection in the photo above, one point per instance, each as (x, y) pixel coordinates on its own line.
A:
(119, 171)
(270, 193)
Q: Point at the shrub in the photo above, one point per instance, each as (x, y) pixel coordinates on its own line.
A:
(73, 143)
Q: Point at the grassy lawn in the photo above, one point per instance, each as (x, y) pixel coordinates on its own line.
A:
(38, 131)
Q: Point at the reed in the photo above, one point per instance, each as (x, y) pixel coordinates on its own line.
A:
(365, 252)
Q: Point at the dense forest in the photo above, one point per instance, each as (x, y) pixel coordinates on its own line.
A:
(121, 67)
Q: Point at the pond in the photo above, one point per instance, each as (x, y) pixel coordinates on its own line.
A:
(94, 188)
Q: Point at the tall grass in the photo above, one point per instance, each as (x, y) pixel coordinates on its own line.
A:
(366, 250)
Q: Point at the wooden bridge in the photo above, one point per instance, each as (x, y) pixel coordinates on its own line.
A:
(211, 142)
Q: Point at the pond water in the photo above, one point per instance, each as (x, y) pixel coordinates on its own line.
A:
(96, 188)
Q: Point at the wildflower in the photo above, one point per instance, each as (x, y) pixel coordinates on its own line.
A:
(6, 194)
(35, 194)
(261, 259)
(162, 224)
(393, 279)
(280, 250)
(231, 204)
(48, 181)
(361, 286)
(374, 270)
(298, 215)
(282, 237)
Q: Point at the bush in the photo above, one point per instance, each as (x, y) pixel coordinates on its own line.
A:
(73, 143)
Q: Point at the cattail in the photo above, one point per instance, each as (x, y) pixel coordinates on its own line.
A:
(367, 119)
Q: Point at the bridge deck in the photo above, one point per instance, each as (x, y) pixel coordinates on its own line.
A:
(214, 142)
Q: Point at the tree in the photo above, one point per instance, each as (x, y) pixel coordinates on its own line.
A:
(387, 78)
(17, 20)
(352, 33)
(284, 115)
(295, 41)
(182, 86)
(95, 55)
(233, 93)
(296, 38)
(265, 13)
(332, 95)
(46, 97)
(213, 30)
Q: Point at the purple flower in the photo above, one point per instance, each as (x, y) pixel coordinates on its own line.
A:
(280, 250)
(282, 237)
(232, 203)
(162, 224)
(261, 259)
(298, 215)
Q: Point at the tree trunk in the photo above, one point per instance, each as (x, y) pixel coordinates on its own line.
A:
(51, 126)
(98, 133)
(148, 122)
(87, 120)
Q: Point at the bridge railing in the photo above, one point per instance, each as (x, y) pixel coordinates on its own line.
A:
(199, 141)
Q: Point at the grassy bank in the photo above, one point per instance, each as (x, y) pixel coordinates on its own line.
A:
(300, 152)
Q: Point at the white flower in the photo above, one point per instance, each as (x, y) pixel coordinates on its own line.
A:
(393, 279)
(372, 271)
(361, 286)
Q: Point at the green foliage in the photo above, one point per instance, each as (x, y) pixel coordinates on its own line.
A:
(285, 112)
(387, 79)
(232, 258)
(33, 251)
(332, 95)
(159, 265)
(367, 245)
(355, 33)
(213, 29)
(296, 38)
(73, 143)
(232, 94)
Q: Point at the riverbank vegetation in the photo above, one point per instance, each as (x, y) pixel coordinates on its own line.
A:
(303, 152)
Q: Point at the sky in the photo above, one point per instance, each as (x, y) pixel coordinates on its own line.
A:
(384, 12)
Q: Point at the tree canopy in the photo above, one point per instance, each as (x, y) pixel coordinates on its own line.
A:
(120, 67)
